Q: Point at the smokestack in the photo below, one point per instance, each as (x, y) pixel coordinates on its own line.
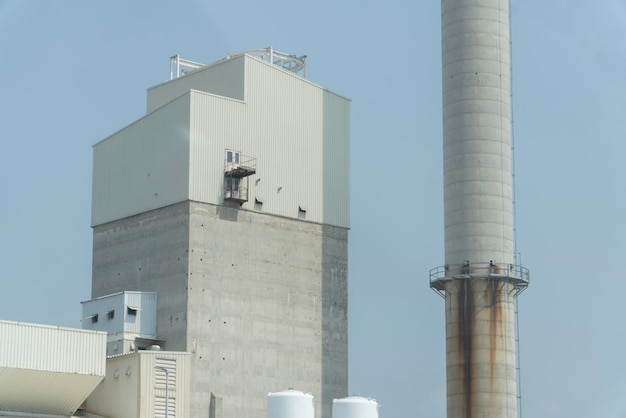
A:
(480, 279)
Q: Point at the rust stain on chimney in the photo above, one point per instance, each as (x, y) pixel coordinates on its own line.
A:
(465, 334)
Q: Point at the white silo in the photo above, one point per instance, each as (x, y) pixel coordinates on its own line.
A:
(355, 407)
(479, 280)
(290, 404)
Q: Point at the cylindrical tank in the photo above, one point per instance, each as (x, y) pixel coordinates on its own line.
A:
(355, 407)
(290, 404)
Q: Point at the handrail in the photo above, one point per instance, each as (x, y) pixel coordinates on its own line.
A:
(516, 274)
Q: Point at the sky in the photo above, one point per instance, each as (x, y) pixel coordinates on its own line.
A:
(74, 72)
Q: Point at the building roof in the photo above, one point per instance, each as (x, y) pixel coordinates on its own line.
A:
(48, 370)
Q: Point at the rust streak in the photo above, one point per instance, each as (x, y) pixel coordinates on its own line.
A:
(496, 336)
(465, 321)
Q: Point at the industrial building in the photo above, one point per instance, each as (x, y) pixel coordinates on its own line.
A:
(220, 228)
(229, 201)
(481, 278)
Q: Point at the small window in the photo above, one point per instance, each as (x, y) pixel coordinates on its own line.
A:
(111, 314)
(94, 318)
(232, 157)
(132, 310)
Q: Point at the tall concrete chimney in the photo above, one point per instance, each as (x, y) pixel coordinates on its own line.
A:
(480, 279)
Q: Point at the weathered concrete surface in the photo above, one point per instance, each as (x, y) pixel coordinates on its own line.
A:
(260, 301)
(478, 192)
(478, 201)
(480, 349)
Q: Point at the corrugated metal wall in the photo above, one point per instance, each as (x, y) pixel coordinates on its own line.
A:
(140, 321)
(48, 370)
(143, 166)
(223, 78)
(297, 131)
(105, 320)
(134, 386)
(57, 349)
(336, 156)
(144, 321)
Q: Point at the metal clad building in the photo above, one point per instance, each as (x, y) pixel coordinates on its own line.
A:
(296, 131)
(230, 200)
(48, 370)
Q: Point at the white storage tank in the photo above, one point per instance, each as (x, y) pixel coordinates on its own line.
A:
(290, 404)
(355, 407)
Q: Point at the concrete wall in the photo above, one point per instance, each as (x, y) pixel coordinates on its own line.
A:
(148, 252)
(259, 300)
(478, 193)
(478, 201)
(257, 294)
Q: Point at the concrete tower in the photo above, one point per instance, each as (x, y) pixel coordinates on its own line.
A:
(480, 279)
(230, 201)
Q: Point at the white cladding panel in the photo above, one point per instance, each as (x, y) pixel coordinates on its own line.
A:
(55, 349)
(48, 370)
(130, 312)
(144, 166)
(44, 392)
(223, 78)
(298, 133)
(143, 320)
(336, 158)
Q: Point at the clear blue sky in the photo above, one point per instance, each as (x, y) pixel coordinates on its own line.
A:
(73, 72)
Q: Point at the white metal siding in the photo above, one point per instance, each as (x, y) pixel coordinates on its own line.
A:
(144, 322)
(48, 370)
(298, 133)
(133, 383)
(223, 78)
(56, 349)
(336, 160)
(144, 166)
(101, 307)
(214, 119)
(119, 393)
(44, 392)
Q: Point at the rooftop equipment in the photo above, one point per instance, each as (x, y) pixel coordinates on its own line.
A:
(296, 64)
